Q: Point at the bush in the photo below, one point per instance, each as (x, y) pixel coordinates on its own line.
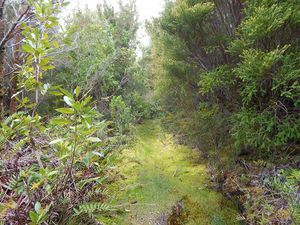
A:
(243, 62)
(121, 115)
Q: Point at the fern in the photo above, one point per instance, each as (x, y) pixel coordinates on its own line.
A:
(12, 183)
(91, 208)
(101, 191)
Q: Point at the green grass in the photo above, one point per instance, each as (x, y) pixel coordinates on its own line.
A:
(159, 173)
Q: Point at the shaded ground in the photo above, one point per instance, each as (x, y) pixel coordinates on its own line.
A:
(161, 178)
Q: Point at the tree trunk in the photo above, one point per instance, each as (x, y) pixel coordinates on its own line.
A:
(14, 80)
(2, 31)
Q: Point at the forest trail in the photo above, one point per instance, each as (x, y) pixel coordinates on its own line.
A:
(162, 178)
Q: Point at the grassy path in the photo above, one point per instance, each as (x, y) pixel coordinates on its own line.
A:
(160, 177)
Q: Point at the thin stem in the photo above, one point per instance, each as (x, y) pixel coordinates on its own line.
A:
(74, 147)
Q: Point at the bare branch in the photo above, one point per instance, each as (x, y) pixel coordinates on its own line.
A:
(7, 36)
(2, 3)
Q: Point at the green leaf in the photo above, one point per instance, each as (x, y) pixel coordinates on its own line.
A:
(56, 93)
(100, 154)
(67, 41)
(52, 173)
(55, 44)
(59, 140)
(94, 139)
(27, 48)
(37, 207)
(65, 110)
(45, 89)
(33, 217)
(44, 61)
(52, 18)
(69, 101)
(31, 2)
(77, 91)
(49, 67)
(77, 106)
(66, 92)
(64, 4)
(38, 8)
(60, 121)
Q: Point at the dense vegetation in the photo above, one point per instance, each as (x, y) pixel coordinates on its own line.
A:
(228, 74)
(236, 65)
(66, 104)
(222, 75)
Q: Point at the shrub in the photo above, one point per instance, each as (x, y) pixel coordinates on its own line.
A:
(121, 115)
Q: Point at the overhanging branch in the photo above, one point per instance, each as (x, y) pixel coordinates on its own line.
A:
(8, 35)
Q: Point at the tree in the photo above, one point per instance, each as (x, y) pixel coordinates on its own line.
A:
(103, 60)
(235, 59)
(12, 15)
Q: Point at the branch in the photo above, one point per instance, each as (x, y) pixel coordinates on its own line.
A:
(11, 30)
(2, 4)
(11, 72)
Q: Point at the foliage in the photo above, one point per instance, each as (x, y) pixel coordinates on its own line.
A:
(120, 114)
(140, 108)
(238, 57)
(286, 183)
(269, 194)
(268, 79)
(58, 164)
(72, 159)
(103, 59)
(61, 159)
(226, 74)
(38, 45)
(92, 208)
(103, 56)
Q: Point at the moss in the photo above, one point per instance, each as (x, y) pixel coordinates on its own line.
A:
(282, 215)
(160, 173)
